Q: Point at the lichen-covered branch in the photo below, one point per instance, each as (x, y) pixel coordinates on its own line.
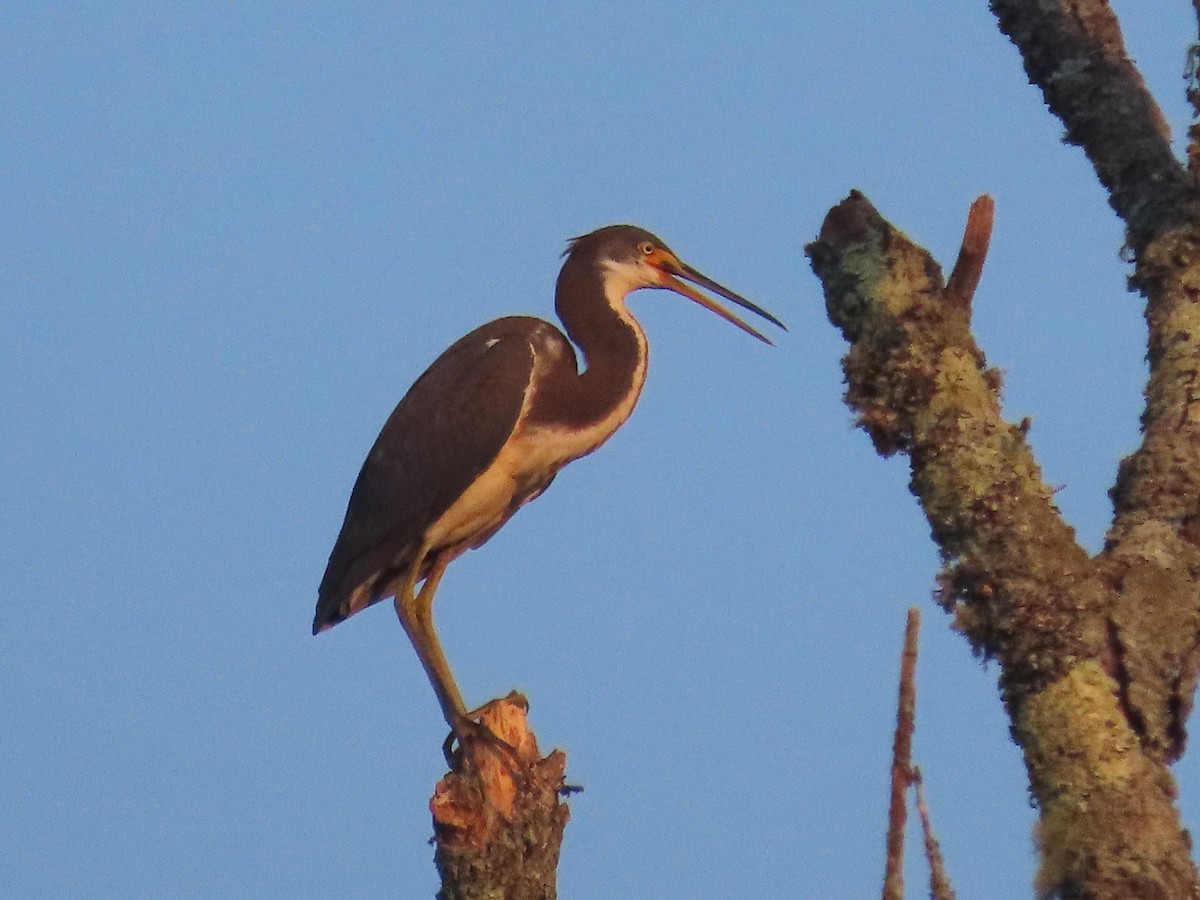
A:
(1074, 51)
(498, 818)
(919, 384)
(1099, 656)
(1022, 590)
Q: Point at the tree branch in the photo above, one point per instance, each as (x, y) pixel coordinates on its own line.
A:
(1073, 50)
(1021, 588)
(939, 881)
(968, 268)
(902, 767)
(919, 384)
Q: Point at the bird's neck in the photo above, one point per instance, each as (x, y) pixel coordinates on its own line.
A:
(592, 308)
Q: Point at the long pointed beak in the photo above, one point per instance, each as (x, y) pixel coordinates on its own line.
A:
(673, 271)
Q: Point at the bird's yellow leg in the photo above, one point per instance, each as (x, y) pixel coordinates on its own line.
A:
(415, 611)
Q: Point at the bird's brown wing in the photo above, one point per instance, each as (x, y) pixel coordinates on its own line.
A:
(446, 431)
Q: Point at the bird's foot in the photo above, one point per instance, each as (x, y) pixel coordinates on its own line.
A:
(468, 733)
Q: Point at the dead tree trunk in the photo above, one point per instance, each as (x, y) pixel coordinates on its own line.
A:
(498, 817)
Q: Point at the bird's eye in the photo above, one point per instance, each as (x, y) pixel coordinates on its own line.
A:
(646, 247)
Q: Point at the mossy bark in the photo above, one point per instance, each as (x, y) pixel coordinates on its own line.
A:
(1078, 671)
(1099, 656)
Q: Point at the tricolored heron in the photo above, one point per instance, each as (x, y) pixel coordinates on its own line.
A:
(488, 426)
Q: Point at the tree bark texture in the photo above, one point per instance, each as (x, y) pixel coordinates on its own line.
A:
(1099, 656)
(498, 818)
(1021, 589)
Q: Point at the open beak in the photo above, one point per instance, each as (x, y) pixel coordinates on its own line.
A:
(675, 271)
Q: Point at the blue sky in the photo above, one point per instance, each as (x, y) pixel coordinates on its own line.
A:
(234, 234)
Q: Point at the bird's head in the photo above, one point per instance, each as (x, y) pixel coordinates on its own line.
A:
(630, 258)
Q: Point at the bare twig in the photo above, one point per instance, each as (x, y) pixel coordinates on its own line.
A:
(902, 768)
(968, 268)
(939, 881)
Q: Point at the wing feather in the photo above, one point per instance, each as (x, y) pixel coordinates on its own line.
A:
(446, 430)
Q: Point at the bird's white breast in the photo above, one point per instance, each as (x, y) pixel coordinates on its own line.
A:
(541, 447)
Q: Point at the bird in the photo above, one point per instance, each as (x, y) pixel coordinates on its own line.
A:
(487, 428)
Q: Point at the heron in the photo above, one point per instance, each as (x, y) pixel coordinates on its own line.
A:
(488, 426)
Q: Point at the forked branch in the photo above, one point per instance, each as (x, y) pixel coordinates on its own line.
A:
(1021, 588)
